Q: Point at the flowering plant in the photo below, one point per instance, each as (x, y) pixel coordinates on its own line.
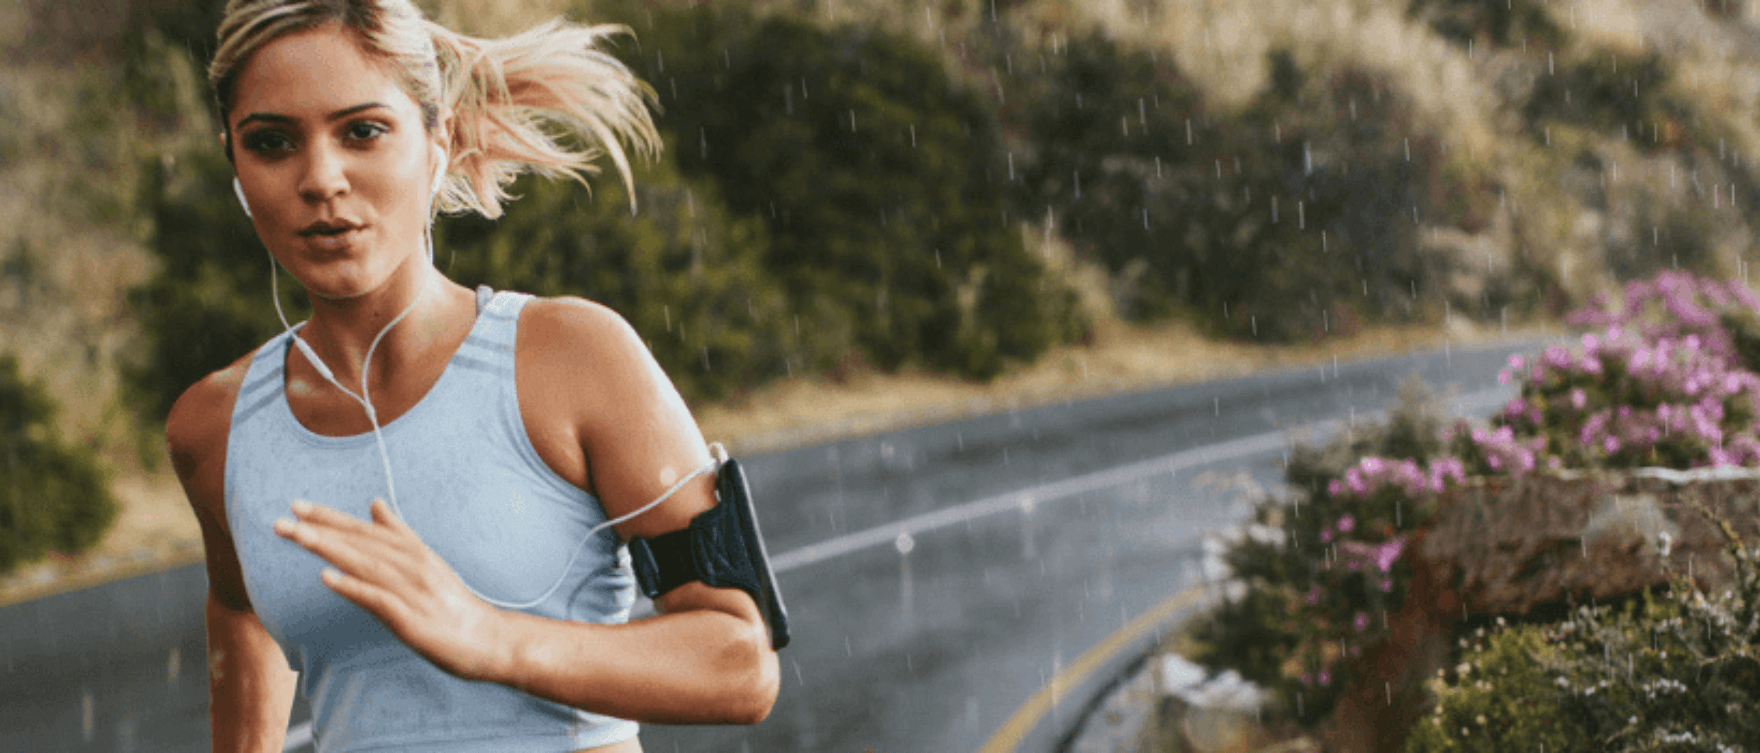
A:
(1668, 380)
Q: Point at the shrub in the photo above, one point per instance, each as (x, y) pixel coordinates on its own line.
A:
(1279, 222)
(685, 272)
(53, 496)
(1675, 675)
(880, 179)
(1321, 568)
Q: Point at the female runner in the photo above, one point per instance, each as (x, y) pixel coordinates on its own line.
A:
(434, 554)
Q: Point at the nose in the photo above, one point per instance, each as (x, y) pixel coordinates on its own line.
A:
(325, 176)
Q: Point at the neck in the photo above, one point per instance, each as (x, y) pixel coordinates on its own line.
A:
(343, 330)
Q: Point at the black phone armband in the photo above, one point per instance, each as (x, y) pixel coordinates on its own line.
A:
(722, 547)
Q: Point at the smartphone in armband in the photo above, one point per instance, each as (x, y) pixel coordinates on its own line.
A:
(723, 547)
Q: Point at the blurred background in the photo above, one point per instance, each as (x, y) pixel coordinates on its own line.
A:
(951, 189)
(947, 197)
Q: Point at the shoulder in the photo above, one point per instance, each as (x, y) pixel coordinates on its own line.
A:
(584, 338)
(196, 429)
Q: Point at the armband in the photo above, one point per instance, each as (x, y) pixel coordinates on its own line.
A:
(722, 547)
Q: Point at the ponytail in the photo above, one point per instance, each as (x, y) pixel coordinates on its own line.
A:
(500, 93)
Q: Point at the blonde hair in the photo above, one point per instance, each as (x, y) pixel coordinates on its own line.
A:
(500, 93)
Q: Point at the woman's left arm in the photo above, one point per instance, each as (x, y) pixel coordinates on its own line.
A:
(706, 659)
(707, 656)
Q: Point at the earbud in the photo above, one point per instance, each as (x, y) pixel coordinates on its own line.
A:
(238, 189)
(439, 171)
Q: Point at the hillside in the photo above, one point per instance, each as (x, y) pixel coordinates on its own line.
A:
(1486, 169)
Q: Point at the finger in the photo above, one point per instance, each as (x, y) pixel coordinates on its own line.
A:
(358, 553)
(329, 517)
(383, 515)
(381, 602)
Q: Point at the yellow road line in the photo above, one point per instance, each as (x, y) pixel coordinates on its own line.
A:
(1015, 730)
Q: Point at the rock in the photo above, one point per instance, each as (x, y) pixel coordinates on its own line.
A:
(1497, 546)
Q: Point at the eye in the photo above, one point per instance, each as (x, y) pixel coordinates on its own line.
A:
(365, 130)
(266, 141)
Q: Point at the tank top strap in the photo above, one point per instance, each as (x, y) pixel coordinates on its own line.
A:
(497, 323)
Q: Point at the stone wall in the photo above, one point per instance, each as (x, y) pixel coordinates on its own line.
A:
(1501, 547)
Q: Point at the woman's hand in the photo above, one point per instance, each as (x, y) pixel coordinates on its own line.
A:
(383, 566)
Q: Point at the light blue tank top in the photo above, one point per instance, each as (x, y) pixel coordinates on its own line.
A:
(471, 484)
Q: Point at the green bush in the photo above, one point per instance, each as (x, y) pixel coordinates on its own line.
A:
(1512, 23)
(1296, 621)
(53, 496)
(1675, 675)
(685, 271)
(879, 177)
(1295, 217)
(208, 303)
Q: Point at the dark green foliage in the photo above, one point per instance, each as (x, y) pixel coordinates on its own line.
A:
(684, 271)
(880, 179)
(53, 497)
(1280, 223)
(1609, 93)
(209, 302)
(1678, 673)
(1510, 23)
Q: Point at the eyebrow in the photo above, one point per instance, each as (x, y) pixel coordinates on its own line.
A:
(273, 118)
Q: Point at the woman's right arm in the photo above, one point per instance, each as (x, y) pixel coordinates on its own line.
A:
(250, 686)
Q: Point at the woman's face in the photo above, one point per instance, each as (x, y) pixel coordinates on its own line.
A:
(333, 158)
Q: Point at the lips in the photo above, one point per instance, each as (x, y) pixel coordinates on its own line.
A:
(329, 228)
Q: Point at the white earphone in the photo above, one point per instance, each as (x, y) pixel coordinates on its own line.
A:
(365, 400)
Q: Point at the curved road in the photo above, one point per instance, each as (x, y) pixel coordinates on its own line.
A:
(936, 578)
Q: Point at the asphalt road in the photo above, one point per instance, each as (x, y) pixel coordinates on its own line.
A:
(936, 578)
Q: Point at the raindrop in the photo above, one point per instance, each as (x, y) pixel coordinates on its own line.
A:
(913, 135)
(1189, 133)
(1323, 248)
(85, 714)
(1218, 405)
(1307, 159)
(1301, 217)
(852, 120)
(1011, 167)
(847, 651)
(1273, 210)
(1408, 149)
(173, 665)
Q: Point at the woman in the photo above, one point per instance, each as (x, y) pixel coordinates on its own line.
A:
(428, 559)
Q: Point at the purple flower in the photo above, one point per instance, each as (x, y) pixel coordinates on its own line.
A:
(1579, 399)
(1361, 622)
(1326, 535)
(1346, 523)
(1388, 552)
(1325, 679)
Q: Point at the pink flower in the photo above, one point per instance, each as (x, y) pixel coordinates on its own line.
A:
(1346, 523)
(1610, 444)
(1326, 535)
(1578, 398)
(1307, 679)
(1387, 553)
(1325, 679)
(1314, 595)
(1335, 488)
(1386, 586)
(1362, 621)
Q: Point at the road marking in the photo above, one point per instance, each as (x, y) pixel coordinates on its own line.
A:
(1024, 499)
(1015, 730)
(1071, 487)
